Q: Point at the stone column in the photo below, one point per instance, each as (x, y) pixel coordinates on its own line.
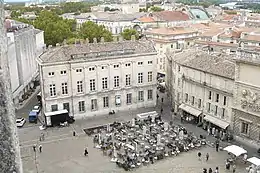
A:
(9, 145)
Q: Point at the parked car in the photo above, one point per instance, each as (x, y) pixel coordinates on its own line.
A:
(20, 122)
(36, 109)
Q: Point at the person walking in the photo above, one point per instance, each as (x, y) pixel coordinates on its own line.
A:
(217, 145)
(227, 165)
(34, 147)
(245, 158)
(74, 133)
(204, 170)
(207, 156)
(161, 110)
(216, 171)
(162, 99)
(234, 168)
(199, 155)
(86, 151)
(40, 148)
(210, 170)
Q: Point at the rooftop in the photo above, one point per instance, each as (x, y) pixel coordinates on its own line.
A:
(170, 16)
(96, 50)
(203, 61)
(170, 31)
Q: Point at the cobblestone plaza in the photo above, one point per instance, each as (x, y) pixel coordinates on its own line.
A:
(65, 155)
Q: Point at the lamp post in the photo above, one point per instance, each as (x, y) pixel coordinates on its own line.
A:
(9, 145)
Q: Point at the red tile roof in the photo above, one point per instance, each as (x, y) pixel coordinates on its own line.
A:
(171, 16)
(146, 19)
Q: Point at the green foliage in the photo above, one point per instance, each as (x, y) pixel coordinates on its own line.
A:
(230, 12)
(55, 28)
(142, 10)
(204, 3)
(15, 14)
(23, 20)
(91, 30)
(127, 33)
(156, 9)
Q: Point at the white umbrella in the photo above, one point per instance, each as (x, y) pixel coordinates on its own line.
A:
(254, 160)
(236, 150)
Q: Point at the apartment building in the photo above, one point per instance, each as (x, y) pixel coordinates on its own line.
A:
(96, 78)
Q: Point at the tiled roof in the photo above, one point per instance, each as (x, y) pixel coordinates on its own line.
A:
(252, 37)
(170, 31)
(212, 32)
(171, 16)
(213, 43)
(64, 53)
(146, 19)
(201, 60)
(232, 33)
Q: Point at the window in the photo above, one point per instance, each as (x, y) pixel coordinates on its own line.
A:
(118, 100)
(80, 86)
(179, 68)
(127, 80)
(140, 63)
(217, 97)
(63, 72)
(208, 107)
(93, 104)
(199, 103)
(66, 106)
(140, 96)
(116, 81)
(81, 106)
(105, 102)
(223, 113)
(140, 78)
(52, 90)
(244, 128)
(79, 70)
(54, 108)
(171, 45)
(91, 68)
(129, 98)
(150, 94)
(178, 46)
(116, 66)
(160, 59)
(186, 97)
(192, 100)
(210, 95)
(51, 73)
(92, 84)
(161, 46)
(225, 101)
(150, 62)
(64, 88)
(216, 110)
(104, 83)
(128, 64)
(103, 67)
(150, 76)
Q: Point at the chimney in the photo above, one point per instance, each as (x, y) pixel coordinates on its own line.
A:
(120, 39)
(86, 40)
(94, 40)
(115, 38)
(133, 38)
(102, 40)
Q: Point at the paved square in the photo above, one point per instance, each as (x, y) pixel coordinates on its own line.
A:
(65, 155)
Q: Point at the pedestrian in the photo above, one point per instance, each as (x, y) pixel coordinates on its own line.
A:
(208, 131)
(86, 151)
(162, 99)
(40, 148)
(216, 171)
(217, 145)
(207, 156)
(181, 118)
(157, 96)
(234, 168)
(199, 155)
(245, 158)
(34, 147)
(204, 170)
(74, 133)
(210, 170)
(43, 136)
(161, 110)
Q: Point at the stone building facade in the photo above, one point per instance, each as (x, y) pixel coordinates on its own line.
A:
(96, 78)
(246, 109)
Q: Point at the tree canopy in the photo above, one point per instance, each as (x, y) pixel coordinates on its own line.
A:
(127, 34)
(91, 30)
(156, 9)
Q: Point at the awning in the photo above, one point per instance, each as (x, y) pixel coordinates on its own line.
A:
(190, 110)
(216, 121)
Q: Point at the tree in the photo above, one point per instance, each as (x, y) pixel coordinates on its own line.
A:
(156, 9)
(55, 28)
(127, 34)
(91, 30)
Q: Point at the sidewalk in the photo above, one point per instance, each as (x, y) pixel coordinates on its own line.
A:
(25, 102)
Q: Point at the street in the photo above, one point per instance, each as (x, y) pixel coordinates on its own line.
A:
(65, 153)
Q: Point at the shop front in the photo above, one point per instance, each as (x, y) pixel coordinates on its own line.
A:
(216, 127)
(190, 114)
